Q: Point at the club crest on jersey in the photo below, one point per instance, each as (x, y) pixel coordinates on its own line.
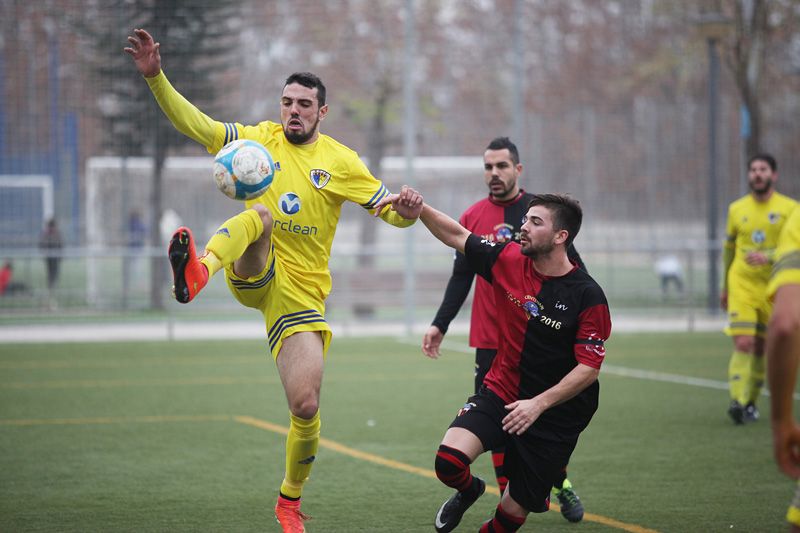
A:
(774, 217)
(758, 237)
(319, 177)
(531, 309)
(467, 407)
(289, 203)
(502, 233)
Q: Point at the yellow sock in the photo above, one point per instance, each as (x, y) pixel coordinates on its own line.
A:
(301, 450)
(739, 376)
(758, 369)
(212, 263)
(232, 239)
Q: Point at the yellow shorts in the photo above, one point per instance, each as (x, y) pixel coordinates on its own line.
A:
(793, 514)
(287, 304)
(748, 309)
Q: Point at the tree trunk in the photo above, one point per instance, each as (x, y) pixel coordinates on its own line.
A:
(157, 264)
(376, 147)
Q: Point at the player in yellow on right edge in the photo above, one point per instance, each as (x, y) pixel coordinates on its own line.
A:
(754, 223)
(783, 355)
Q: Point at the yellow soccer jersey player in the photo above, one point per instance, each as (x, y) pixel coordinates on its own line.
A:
(753, 227)
(754, 223)
(783, 354)
(311, 183)
(786, 270)
(275, 253)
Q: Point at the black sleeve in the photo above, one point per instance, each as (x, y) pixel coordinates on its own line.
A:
(482, 255)
(575, 257)
(456, 292)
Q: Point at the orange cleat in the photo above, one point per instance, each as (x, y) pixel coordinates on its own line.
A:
(289, 516)
(189, 274)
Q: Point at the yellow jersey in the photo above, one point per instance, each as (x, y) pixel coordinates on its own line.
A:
(311, 183)
(786, 270)
(754, 227)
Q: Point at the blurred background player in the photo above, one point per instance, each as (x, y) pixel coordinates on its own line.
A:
(541, 391)
(275, 253)
(670, 272)
(783, 355)
(754, 223)
(50, 241)
(496, 218)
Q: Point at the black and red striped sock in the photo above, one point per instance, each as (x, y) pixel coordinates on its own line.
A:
(498, 460)
(502, 522)
(452, 469)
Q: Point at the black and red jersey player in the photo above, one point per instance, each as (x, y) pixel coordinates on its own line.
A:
(495, 218)
(541, 390)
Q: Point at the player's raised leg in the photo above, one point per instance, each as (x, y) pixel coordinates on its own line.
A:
(300, 364)
(242, 240)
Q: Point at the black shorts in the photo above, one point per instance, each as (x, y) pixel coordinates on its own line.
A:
(532, 463)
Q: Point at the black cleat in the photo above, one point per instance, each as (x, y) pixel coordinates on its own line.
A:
(452, 510)
(189, 275)
(751, 413)
(736, 412)
(571, 506)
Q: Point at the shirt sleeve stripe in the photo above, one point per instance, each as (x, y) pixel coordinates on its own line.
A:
(382, 192)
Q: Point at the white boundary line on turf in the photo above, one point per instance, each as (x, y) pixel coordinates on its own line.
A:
(625, 372)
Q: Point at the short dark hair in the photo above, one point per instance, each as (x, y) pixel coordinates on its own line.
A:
(567, 213)
(312, 81)
(765, 157)
(504, 143)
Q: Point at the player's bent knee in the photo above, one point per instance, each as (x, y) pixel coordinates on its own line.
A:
(304, 408)
(744, 344)
(266, 216)
(450, 464)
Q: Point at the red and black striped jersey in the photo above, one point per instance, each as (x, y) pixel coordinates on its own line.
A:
(546, 326)
(494, 221)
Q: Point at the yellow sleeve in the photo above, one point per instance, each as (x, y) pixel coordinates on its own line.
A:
(186, 118)
(728, 249)
(786, 269)
(366, 190)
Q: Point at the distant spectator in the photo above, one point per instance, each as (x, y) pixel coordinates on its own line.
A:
(51, 243)
(7, 285)
(137, 231)
(136, 239)
(670, 272)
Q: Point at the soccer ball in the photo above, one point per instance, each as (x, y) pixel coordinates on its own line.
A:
(243, 169)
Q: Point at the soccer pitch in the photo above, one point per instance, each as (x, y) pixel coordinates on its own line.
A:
(188, 436)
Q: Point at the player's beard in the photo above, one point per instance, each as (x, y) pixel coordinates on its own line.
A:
(504, 193)
(301, 137)
(537, 251)
(766, 185)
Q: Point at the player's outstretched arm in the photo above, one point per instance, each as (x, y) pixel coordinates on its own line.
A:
(444, 228)
(144, 52)
(783, 356)
(186, 118)
(409, 204)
